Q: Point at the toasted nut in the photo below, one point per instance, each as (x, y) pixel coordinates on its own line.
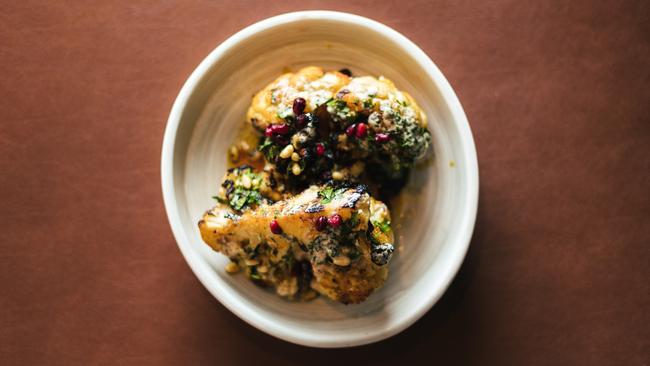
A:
(341, 261)
(251, 262)
(262, 269)
(246, 182)
(337, 175)
(357, 168)
(296, 141)
(295, 169)
(232, 267)
(295, 156)
(286, 152)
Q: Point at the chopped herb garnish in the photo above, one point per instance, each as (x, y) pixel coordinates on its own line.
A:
(220, 199)
(384, 226)
(354, 220)
(269, 149)
(329, 193)
(267, 143)
(243, 197)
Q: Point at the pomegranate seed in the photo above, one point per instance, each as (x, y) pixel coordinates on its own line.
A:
(382, 137)
(268, 132)
(351, 130)
(335, 220)
(299, 105)
(280, 129)
(362, 130)
(320, 149)
(321, 223)
(275, 227)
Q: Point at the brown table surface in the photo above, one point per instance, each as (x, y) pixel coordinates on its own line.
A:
(557, 94)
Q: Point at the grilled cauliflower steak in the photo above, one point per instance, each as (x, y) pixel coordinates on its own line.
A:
(335, 241)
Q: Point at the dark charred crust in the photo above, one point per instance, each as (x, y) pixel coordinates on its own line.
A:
(315, 208)
(380, 254)
(302, 270)
(209, 213)
(352, 201)
(361, 188)
(244, 167)
(201, 222)
(231, 216)
(346, 71)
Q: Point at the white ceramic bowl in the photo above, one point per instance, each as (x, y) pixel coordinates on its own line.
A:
(205, 118)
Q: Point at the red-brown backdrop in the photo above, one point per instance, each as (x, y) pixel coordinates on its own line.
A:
(557, 94)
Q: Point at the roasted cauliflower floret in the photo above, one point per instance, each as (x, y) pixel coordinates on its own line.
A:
(314, 122)
(321, 239)
(274, 103)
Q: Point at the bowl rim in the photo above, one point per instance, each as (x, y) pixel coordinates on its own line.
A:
(201, 268)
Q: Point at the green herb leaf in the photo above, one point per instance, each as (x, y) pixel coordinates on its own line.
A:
(266, 144)
(220, 199)
(384, 226)
(242, 197)
(354, 220)
(327, 194)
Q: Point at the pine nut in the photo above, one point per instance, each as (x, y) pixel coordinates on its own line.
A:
(286, 152)
(232, 267)
(295, 169)
(246, 182)
(251, 262)
(341, 261)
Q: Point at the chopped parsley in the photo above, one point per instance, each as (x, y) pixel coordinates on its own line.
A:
(329, 193)
(384, 226)
(354, 220)
(242, 197)
(242, 188)
(269, 149)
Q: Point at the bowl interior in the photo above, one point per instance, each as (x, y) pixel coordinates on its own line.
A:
(430, 222)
